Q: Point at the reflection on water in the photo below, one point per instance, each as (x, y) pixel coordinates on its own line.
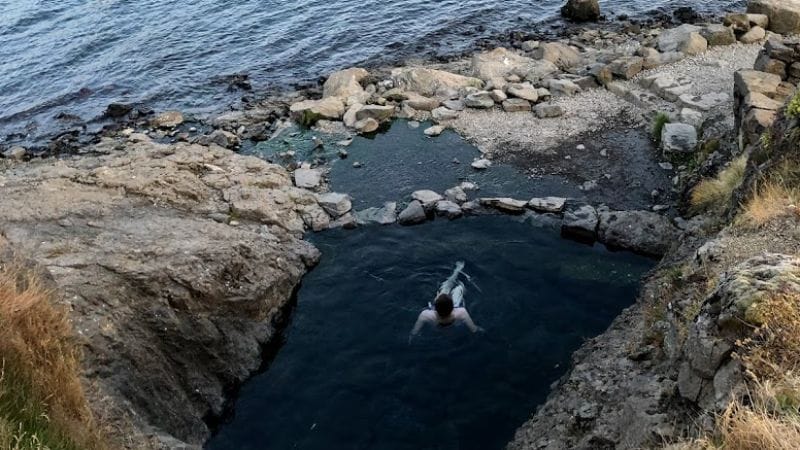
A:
(348, 378)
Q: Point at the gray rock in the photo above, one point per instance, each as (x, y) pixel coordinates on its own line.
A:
(344, 83)
(334, 203)
(505, 204)
(784, 15)
(347, 221)
(426, 197)
(581, 10)
(479, 100)
(432, 82)
(481, 164)
(516, 105)
(547, 204)
(547, 110)
(639, 231)
(367, 125)
(17, 153)
(168, 119)
(563, 87)
(455, 105)
(220, 137)
(456, 194)
(562, 55)
(448, 209)
(627, 66)
(433, 131)
(307, 178)
(717, 34)
(442, 114)
(675, 39)
(580, 221)
(692, 117)
(524, 91)
(375, 112)
(413, 214)
(308, 112)
(678, 138)
(385, 215)
(498, 95)
(755, 34)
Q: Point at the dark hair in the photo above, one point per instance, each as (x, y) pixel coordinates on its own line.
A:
(443, 305)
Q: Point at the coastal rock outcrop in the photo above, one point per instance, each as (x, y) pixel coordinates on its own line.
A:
(174, 261)
(784, 15)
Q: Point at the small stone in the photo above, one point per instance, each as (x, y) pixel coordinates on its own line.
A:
(580, 147)
(498, 95)
(357, 165)
(442, 114)
(367, 125)
(342, 153)
(755, 34)
(433, 131)
(479, 100)
(603, 152)
(468, 186)
(455, 105)
(626, 67)
(524, 91)
(413, 124)
(481, 164)
(563, 87)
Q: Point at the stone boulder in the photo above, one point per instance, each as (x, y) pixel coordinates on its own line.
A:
(784, 15)
(344, 83)
(479, 100)
(448, 209)
(432, 82)
(685, 38)
(335, 204)
(456, 194)
(626, 67)
(385, 215)
(426, 197)
(678, 138)
(443, 114)
(16, 153)
(420, 102)
(562, 55)
(308, 112)
(516, 105)
(307, 178)
(168, 119)
(547, 204)
(581, 10)
(376, 112)
(524, 91)
(505, 204)
(494, 66)
(580, 222)
(413, 214)
(755, 34)
(716, 34)
(547, 111)
(563, 87)
(642, 232)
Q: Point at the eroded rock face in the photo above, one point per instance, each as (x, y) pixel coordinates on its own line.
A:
(171, 300)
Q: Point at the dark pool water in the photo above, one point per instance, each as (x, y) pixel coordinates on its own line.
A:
(347, 377)
(76, 56)
(401, 160)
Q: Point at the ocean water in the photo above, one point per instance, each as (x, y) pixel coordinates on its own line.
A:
(71, 58)
(348, 378)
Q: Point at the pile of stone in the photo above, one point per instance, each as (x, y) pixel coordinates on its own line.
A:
(760, 93)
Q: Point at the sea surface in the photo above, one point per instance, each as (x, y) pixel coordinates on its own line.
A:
(62, 62)
(348, 377)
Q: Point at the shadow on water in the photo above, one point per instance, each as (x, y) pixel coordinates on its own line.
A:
(347, 376)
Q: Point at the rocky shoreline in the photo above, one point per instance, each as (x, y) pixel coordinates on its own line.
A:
(176, 255)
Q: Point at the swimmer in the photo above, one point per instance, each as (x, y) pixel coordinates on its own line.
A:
(448, 307)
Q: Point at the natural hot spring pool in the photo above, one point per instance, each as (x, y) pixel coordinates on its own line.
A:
(347, 378)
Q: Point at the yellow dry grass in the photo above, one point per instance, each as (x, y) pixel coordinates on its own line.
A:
(42, 401)
(714, 193)
(770, 201)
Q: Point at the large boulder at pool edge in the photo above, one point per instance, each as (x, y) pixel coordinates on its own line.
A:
(581, 10)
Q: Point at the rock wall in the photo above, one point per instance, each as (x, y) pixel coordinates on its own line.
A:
(174, 260)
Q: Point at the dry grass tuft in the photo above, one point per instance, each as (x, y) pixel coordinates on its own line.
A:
(768, 202)
(714, 193)
(42, 402)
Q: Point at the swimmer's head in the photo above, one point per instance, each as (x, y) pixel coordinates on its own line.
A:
(443, 305)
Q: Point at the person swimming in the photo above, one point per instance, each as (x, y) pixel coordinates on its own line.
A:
(448, 307)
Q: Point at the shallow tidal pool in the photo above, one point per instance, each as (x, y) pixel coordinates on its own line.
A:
(347, 377)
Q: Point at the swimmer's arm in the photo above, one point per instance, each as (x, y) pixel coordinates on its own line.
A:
(423, 317)
(465, 317)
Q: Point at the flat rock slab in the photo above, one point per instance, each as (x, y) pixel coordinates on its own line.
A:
(678, 138)
(642, 232)
(334, 203)
(547, 204)
(703, 102)
(385, 215)
(505, 204)
(307, 178)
